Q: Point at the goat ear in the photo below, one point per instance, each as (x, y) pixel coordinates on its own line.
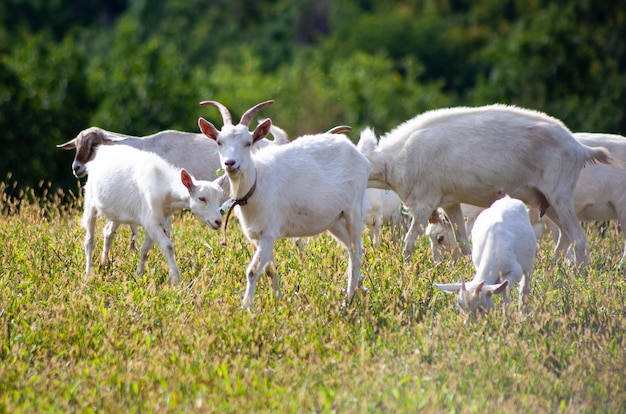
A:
(207, 128)
(448, 287)
(479, 288)
(68, 145)
(187, 180)
(499, 288)
(262, 130)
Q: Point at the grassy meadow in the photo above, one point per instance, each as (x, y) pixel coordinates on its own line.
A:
(118, 342)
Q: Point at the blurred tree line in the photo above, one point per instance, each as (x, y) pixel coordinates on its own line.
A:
(139, 66)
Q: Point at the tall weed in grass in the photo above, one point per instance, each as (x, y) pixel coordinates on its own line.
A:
(123, 343)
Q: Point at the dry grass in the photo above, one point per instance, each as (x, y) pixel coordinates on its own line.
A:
(124, 343)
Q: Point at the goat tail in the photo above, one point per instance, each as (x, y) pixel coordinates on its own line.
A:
(599, 155)
(367, 142)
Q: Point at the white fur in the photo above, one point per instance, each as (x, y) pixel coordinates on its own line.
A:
(279, 134)
(600, 194)
(475, 155)
(135, 187)
(443, 239)
(187, 150)
(314, 183)
(385, 208)
(504, 253)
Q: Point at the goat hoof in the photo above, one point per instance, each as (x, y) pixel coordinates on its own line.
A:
(247, 304)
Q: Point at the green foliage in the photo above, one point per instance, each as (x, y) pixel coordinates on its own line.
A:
(118, 342)
(142, 86)
(44, 99)
(373, 93)
(575, 75)
(56, 17)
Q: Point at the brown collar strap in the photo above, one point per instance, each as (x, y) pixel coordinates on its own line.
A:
(241, 202)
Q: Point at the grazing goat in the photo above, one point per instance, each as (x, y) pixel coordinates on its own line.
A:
(600, 194)
(135, 187)
(504, 253)
(385, 207)
(300, 189)
(474, 155)
(442, 236)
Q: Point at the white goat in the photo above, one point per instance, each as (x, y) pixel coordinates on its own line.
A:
(135, 187)
(385, 208)
(600, 194)
(187, 150)
(474, 155)
(504, 253)
(300, 189)
(442, 236)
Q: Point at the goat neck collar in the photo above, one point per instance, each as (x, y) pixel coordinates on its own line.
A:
(244, 200)
(240, 202)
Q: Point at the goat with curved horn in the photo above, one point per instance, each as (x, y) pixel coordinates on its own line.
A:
(249, 114)
(226, 117)
(275, 197)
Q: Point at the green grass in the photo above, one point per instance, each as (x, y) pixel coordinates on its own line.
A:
(124, 343)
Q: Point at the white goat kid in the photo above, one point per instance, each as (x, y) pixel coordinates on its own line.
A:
(504, 253)
(135, 187)
(474, 155)
(300, 189)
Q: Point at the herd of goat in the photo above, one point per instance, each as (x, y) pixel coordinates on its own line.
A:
(500, 172)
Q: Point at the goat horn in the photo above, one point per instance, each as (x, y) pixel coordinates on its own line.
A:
(340, 129)
(228, 119)
(247, 117)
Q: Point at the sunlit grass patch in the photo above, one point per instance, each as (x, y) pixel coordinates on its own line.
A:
(121, 342)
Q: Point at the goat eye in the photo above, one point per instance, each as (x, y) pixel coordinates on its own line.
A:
(248, 144)
(203, 199)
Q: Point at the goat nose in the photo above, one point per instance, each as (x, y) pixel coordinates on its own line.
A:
(229, 163)
(218, 222)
